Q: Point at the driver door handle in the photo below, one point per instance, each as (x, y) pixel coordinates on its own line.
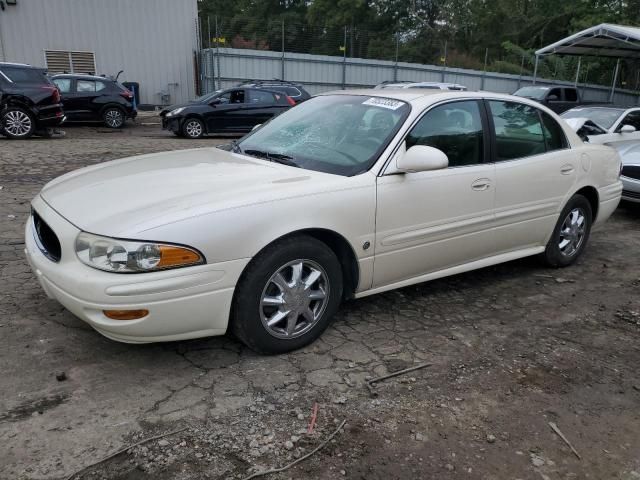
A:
(481, 184)
(567, 169)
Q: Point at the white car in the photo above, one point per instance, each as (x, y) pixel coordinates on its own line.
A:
(618, 128)
(423, 85)
(345, 195)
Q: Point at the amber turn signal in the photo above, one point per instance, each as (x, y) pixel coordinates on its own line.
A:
(171, 256)
(125, 314)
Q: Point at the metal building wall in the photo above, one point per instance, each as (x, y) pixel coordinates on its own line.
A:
(320, 73)
(153, 41)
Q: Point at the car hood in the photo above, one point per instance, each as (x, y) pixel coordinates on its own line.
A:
(129, 196)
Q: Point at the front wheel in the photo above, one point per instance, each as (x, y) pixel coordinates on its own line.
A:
(287, 296)
(570, 234)
(193, 128)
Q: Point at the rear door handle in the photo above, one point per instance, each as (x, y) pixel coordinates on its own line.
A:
(567, 169)
(481, 184)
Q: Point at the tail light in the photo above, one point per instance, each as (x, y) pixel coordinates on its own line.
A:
(291, 101)
(126, 94)
(55, 93)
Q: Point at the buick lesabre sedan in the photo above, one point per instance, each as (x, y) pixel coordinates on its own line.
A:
(345, 195)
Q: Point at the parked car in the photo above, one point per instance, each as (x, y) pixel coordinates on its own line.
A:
(424, 85)
(618, 128)
(236, 110)
(88, 98)
(29, 103)
(558, 99)
(294, 90)
(346, 195)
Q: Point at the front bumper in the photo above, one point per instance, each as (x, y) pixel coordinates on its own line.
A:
(630, 189)
(173, 124)
(183, 303)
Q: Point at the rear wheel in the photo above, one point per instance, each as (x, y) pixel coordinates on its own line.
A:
(17, 123)
(113, 117)
(193, 128)
(287, 296)
(570, 234)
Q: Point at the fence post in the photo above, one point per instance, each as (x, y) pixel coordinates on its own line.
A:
(484, 69)
(575, 84)
(521, 70)
(535, 70)
(282, 76)
(217, 84)
(395, 67)
(444, 66)
(344, 60)
(615, 80)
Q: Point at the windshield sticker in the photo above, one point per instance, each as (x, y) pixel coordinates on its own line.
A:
(384, 103)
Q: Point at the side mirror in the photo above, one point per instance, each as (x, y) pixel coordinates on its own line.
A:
(215, 101)
(627, 129)
(256, 126)
(421, 158)
(553, 98)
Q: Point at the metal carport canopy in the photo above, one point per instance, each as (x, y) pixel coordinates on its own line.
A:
(604, 40)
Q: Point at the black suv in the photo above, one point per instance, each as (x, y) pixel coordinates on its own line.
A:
(29, 102)
(89, 98)
(293, 90)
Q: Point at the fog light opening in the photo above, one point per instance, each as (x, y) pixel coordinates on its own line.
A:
(125, 314)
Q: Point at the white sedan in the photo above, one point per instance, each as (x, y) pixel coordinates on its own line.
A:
(345, 195)
(615, 127)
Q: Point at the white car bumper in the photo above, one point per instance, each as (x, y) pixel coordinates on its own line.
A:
(183, 303)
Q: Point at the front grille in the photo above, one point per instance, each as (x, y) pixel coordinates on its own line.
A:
(46, 239)
(630, 194)
(631, 171)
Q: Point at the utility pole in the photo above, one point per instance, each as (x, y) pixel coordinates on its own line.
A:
(395, 67)
(344, 60)
(282, 75)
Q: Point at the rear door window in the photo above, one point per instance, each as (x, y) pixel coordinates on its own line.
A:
(518, 130)
(553, 133)
(258, 97)
(24, 75)
(84, 86)
(570, 95)
(555, 92)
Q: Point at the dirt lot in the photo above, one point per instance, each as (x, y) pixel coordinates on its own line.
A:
(511, 349)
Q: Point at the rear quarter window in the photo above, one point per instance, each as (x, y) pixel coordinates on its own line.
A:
(24, 75)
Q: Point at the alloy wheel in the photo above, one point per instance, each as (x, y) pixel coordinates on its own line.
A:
(572, 232)
(193, 128)
(114, 118)
(17, 123)
(294, 299)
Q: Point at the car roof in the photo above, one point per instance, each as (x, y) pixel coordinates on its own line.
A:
(425, 97)
(12, 64)
(81, 76)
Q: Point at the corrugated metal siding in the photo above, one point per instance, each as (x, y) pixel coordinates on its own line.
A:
(153, 41)
(320, 73)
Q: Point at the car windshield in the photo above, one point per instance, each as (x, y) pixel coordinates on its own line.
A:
(536, 93)
(338, 134)
(605, 117)
(207, 97)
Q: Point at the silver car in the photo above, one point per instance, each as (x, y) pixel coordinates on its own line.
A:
(618, 127)
(423, 85)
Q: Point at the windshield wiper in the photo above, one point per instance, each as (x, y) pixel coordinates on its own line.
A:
(235, 148)
(273, 157)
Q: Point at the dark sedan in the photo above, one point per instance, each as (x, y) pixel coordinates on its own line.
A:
(88, 98)
(236, 110)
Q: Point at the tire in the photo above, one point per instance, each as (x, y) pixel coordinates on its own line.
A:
(17, 123)
(571, 232)
(268, 289)
(193, 128)
(114, 117)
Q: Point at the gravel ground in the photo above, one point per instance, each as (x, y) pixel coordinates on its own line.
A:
(511, 348)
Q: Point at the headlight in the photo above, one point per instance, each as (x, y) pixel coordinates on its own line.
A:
(175, 112)
(126, 256)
